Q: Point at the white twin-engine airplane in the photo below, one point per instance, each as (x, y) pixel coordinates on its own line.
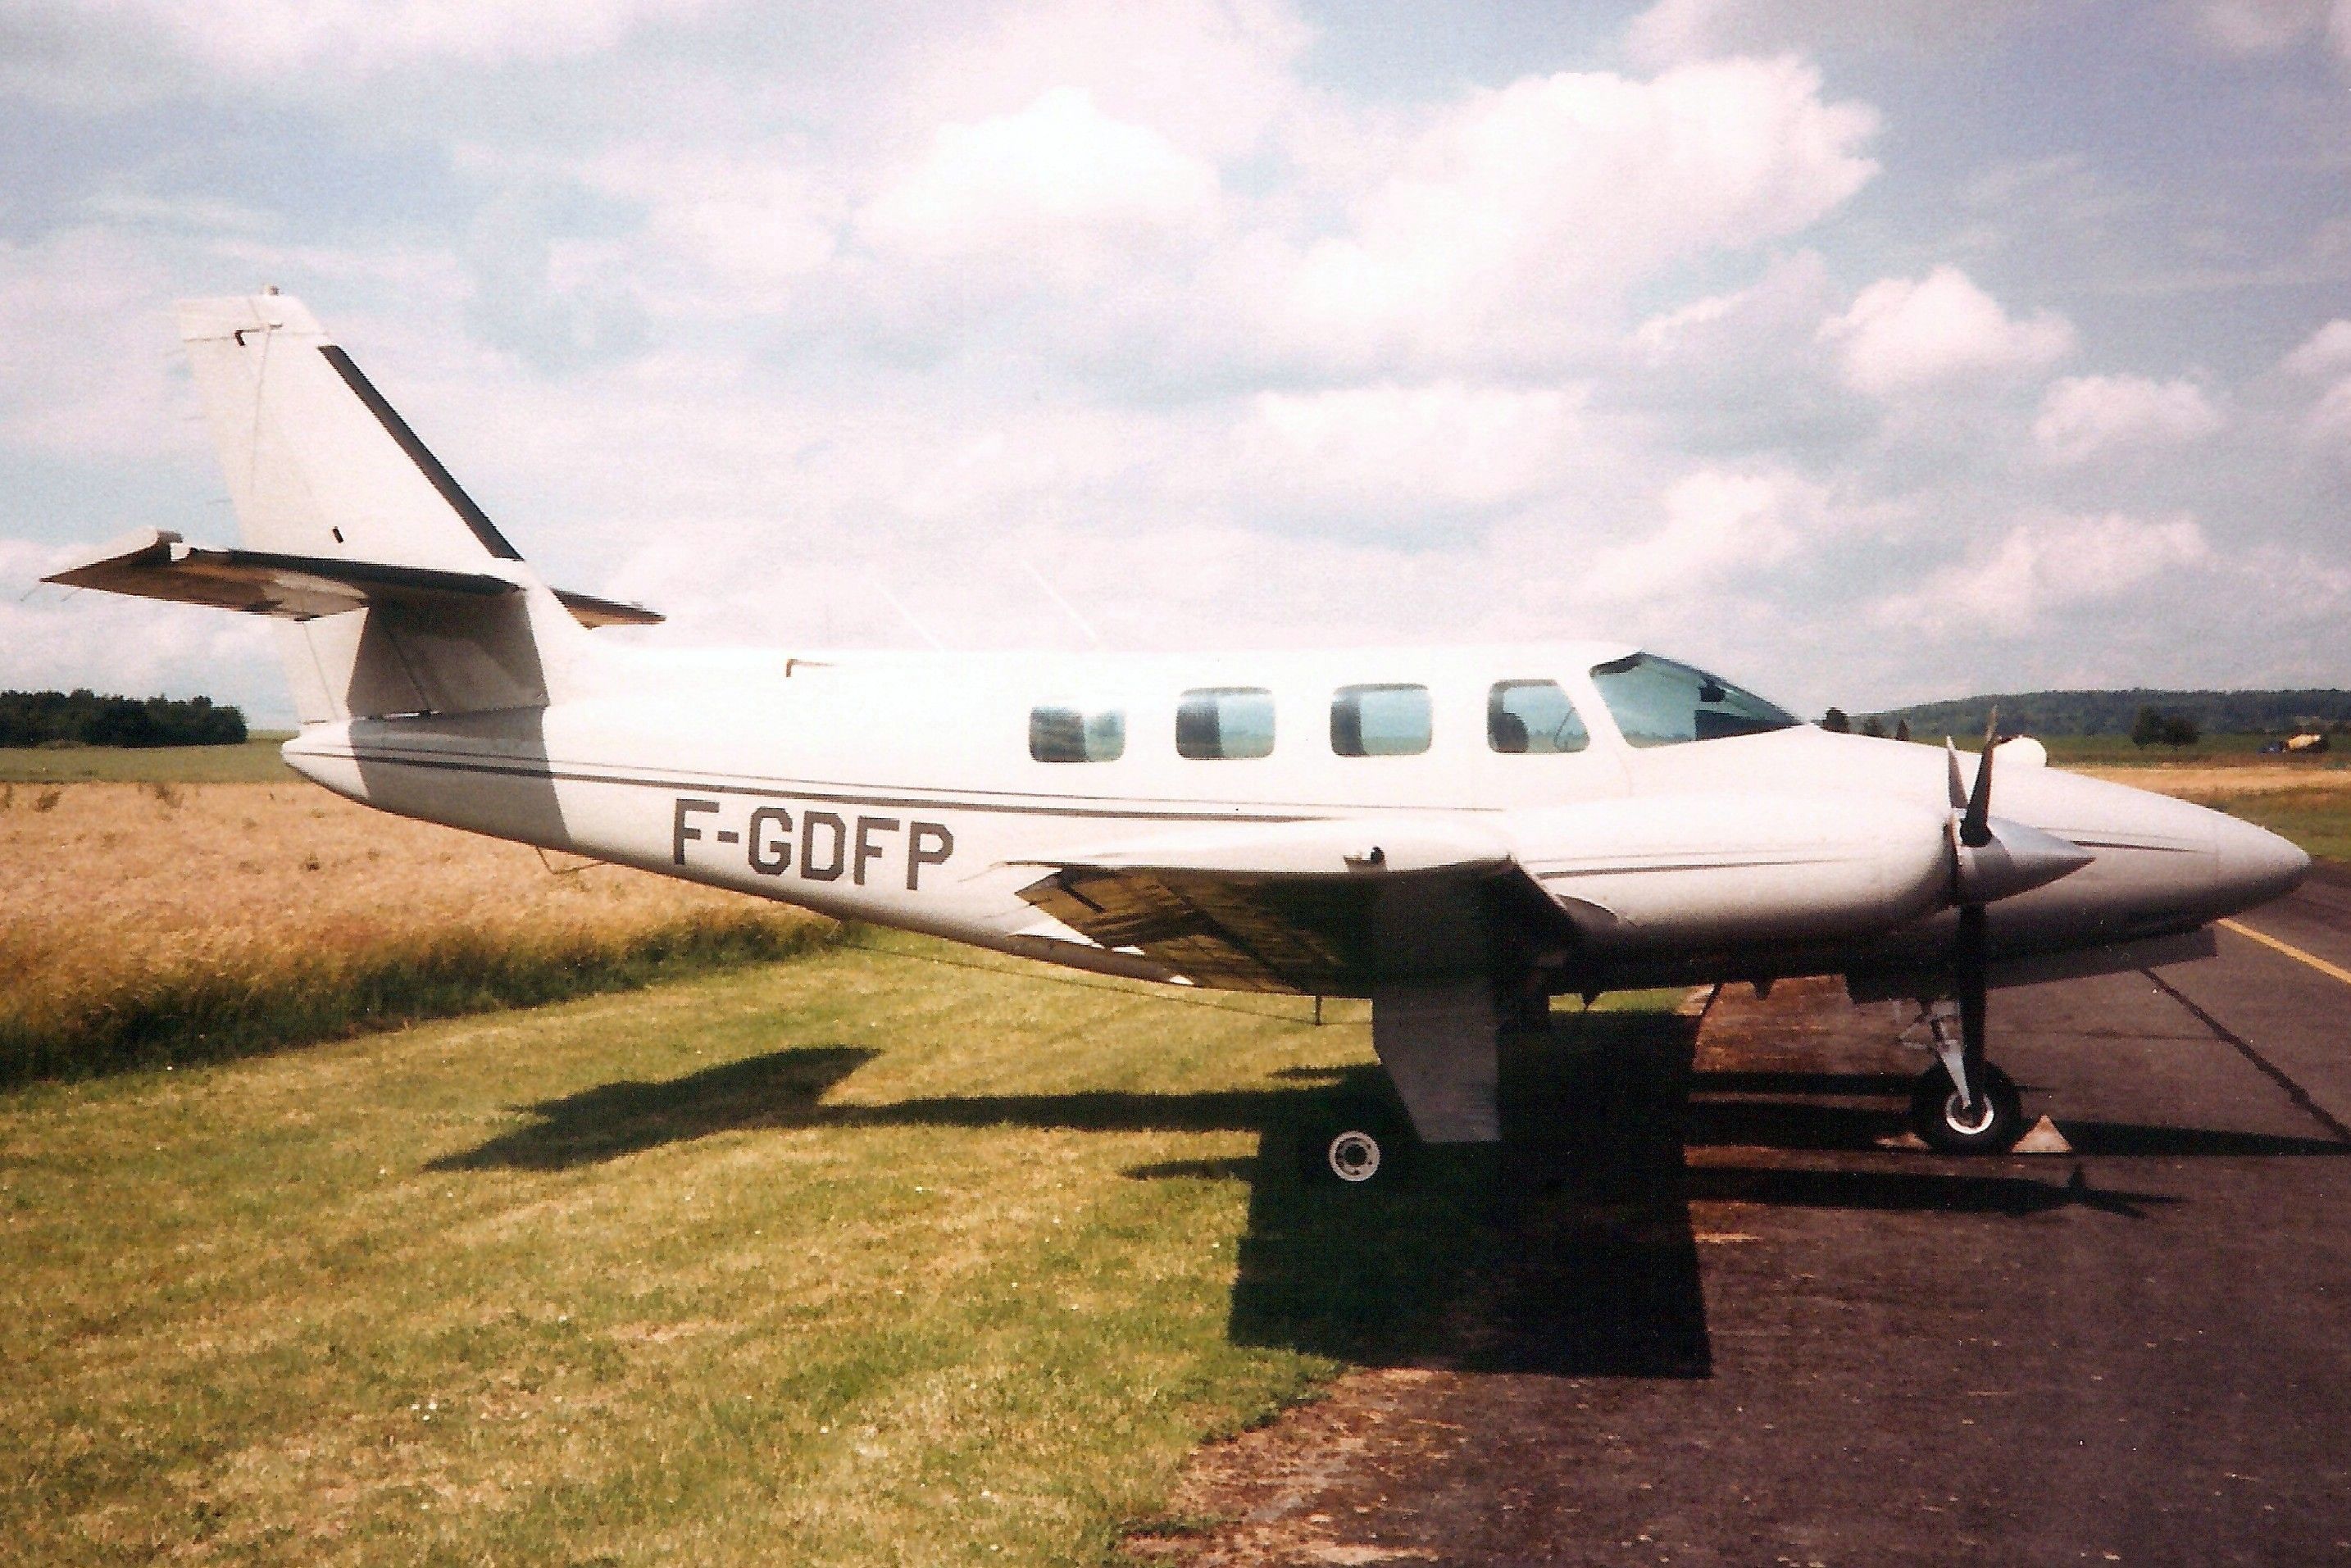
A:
(1457, 834)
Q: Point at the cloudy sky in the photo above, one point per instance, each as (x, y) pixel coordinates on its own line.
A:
(1959, 347)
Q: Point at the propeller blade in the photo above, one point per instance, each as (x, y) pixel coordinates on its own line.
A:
(1958, 785)
(1975, 827)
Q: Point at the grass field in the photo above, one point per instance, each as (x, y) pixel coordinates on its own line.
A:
(870, 1258)
(176, 922)
(2310, 805)
(254, 762)
(892, 1254)
(2212, 751)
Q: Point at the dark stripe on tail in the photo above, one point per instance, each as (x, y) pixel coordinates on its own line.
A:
(397, 428)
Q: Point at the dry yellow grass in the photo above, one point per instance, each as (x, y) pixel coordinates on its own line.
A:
(2308, 801)
(2214, 784)
(116, 898)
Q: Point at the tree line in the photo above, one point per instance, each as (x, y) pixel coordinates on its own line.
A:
(2124, 713)
(2152, 728)
(2149, 719)
(86, 718)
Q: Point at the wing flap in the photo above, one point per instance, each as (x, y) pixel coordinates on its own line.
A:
(1243, 933)
(1328, 908)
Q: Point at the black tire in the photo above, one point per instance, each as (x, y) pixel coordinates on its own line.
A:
(1937, 1115)
(1355, 1148)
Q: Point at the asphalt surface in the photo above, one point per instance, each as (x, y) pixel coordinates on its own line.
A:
(1716, 1320)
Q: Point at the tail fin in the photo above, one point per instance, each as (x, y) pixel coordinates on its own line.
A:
(318, 463)
(395, 593)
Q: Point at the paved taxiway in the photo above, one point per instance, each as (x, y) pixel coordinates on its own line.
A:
(1791, 1345)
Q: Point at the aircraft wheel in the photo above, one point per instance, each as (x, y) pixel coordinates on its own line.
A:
(1355, 1146)
(1937, 1117)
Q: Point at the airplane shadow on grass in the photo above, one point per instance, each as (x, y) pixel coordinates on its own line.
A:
(1569, 1249)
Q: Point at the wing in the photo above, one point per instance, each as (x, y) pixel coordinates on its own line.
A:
(1324, 908)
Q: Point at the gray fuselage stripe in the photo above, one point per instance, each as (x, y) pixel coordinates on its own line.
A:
(787, 792)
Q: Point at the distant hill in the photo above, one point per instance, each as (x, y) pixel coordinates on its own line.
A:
(87, 718)
(2112, 712)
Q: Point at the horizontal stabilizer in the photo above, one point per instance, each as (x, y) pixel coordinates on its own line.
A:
(156, 564)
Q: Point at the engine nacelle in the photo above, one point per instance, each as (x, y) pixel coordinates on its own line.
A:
(1681, 871)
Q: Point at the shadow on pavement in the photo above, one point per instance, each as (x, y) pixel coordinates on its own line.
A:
(1568, 1250)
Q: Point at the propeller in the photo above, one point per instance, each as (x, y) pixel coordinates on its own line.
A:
(1973, 954)
(1992, 859)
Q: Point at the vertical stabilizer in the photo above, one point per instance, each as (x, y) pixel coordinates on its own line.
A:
(317, 462)
(319, 466)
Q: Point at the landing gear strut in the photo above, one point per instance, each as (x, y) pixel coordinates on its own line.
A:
(1964, 1105)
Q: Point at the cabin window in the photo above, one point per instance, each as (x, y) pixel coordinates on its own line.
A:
(1076, 734)
(1532, 717)
(1215, 722)
(1656, 702)
(1379, 721)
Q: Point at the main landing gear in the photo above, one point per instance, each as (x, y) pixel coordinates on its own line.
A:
(1964, 1105)
(1355, 1145)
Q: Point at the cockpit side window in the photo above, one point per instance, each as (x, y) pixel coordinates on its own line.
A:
(1076, 733)
(1656, 702)
(1534, 718)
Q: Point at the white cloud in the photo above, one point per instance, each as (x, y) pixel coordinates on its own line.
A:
(1391, 450)
(1519, 219)
(1212, 76)
(754, 222)
(1676, 30)
(2330, 417)
(84, 332)
(1715, 523)
(2249, 27)
(1243, 342)
(1770, 327)
(262, 38)
(1057, 174)
(2081, 416)
(1902, 333)
(1671, 31)
(2326, 355)
(2045, 566)
(2325, 352)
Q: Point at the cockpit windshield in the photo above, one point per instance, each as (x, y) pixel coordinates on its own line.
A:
(1656, 702)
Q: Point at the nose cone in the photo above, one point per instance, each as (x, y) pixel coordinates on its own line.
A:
(2254, 865)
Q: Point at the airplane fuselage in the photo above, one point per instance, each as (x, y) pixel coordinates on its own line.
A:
(908, 790)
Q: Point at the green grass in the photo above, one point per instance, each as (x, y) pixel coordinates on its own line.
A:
(2117, 751)
(181, 1017)
(2319, 821)
(865, 1258)
(254, 762)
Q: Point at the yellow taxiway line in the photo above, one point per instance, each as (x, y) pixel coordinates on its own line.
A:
(2331, 970)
